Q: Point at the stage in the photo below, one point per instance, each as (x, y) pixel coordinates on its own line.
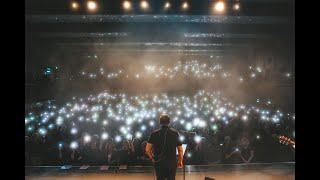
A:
(255, 171)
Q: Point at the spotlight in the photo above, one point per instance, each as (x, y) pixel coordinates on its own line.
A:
(185, 5)
(219, 7)
(126, 5)
(144, 5)
(75, 5)
(167, 5)
(236, 7)
(92, 5)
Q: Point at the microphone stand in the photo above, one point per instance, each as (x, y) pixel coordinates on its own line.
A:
(184, 169)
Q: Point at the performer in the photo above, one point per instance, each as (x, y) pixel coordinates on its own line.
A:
(161, 149)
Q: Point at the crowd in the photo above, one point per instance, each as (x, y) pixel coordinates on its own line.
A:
(113, 128)
(192, 69)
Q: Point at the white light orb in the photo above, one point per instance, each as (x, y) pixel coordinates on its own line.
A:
(118, 138)
(219, 7)
(185, 5)
(104, 136)
(138, 134)
(126, 5)
(74, 145)
(74, 131)
(244, 117)
(236, 6)
(144, 5)
(167, 5)
(92, 5)
(87, 138)
(197, 138)
(74, 5)
(181, 138)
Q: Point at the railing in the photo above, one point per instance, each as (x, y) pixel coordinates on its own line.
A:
(149, 169)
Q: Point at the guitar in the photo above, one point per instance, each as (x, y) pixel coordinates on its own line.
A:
(287, 141)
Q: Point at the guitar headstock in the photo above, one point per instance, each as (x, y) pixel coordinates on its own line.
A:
(286, 141)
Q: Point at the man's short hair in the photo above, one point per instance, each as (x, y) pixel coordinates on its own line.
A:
(164, 119)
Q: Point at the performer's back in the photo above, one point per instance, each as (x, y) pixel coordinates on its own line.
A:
(161, 149)
(169, 147)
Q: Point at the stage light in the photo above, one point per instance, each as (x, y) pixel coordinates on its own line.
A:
(219, 7)
(185, 5)
(236, 7)
(92, 5)
(126, 5)
(75, 6)
(258, 137)
(167, 5)
(74, 145)
(144, 5)
(60, 145)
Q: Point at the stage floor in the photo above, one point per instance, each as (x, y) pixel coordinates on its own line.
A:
(272, 172)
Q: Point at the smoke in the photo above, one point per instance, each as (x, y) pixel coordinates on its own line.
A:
(131, 60)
